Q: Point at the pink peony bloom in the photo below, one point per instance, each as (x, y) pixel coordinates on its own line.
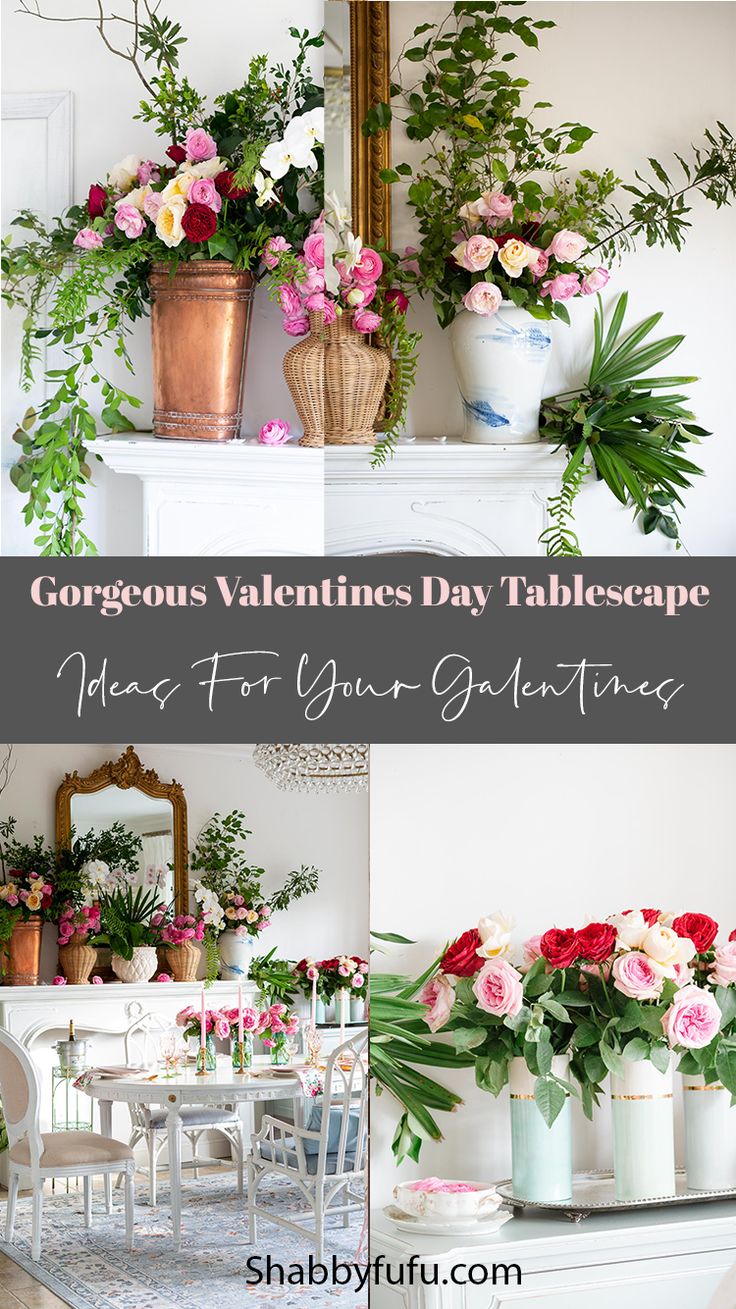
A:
(314, 250)
(292, 1026)
(204, 192)
(129, 220)
(151, 205)
(97, 980)
(539, 264)
(439, 996)
(315, 302)
(275, 432)
(723, 968)
(330, 311)
(199, 145)
(291, 303)
(164, 977)
(483, 298)
(693, 1019)
(88, 240)
(365, 321)
(59, 981)
(475, 254)
(594, 281)
(369, 267)
(562, 287)
(296, 325)
(567, 246)
(273, 249)
(635, 975)
(497, 988)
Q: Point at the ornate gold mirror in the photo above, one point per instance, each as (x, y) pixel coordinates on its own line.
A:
(123, 791)
(357, 76)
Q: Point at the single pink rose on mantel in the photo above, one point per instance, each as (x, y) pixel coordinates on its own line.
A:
(59, 981)
(275, 432)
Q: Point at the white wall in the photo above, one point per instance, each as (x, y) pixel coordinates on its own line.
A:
(288, 828)
(555, 835)
(39, 56)
(648, 77)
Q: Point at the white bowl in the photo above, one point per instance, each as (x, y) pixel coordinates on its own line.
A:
(413, 1199)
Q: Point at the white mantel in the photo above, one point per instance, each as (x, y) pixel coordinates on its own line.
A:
(223, 498)
(439, 496)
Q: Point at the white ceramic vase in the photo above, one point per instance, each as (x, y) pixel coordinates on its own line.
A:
(643, 1132)
(501, 362)
(710, 1135)
(541, 1156)
(140, 968)
(235, 953)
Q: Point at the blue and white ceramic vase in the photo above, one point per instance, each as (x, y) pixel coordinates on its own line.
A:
(501, 361)
(541, 1156)
(643, 1132)
(235, 951)
(710, 1135)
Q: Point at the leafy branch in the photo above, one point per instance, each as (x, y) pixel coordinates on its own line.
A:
(403, 346)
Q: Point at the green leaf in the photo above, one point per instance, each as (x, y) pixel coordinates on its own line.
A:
(726, 1065)
(613, 1061)
(491, 1074)
(660, 1056)
(388, 175)
(468, 1038)
(726, 998)
(636, 1049)
(550, 1098)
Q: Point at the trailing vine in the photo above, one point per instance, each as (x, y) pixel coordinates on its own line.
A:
(559, 539)
(403, 346)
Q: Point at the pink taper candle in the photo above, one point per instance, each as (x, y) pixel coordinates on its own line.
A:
(240, 1014)
(343, 1011)
(203, 1025)
(314, 1002)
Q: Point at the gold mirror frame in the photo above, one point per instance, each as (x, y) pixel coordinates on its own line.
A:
(370, 62)
(125, 773)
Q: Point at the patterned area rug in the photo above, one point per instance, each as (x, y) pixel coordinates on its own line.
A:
(93, 1270)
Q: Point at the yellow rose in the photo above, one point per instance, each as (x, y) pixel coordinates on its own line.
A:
(514, 257)
(134, 198)
(251, 916)
(168, 223)
(34, 901)
(178, 187)
(231, 913)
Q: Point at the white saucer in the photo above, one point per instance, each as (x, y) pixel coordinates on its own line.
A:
(484, 1226)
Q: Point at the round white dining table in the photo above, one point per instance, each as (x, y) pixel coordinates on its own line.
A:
(187, 1087)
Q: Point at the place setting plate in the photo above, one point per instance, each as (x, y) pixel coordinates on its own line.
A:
(481, 1226)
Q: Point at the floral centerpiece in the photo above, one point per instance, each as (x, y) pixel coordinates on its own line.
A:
(197, 214)
(180, 935)
(217, 1024)
(28, 896)
(228, 889)
(245, 1020)
(77, 929)
(275, 1026)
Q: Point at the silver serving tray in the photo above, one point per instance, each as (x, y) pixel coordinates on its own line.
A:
(594, 1192)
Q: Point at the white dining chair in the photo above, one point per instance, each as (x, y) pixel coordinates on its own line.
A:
(150, 1125)
(34, 1156)
(325, 1163)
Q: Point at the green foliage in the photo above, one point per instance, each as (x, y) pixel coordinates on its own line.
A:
(115, 846)
(403, 347)
(632, 428)
(274, 977)
(222, 865)
(126, 918)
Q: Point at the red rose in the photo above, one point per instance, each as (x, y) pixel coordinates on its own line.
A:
(97, 201)
(509, 236)
(177, 153)
(596, 942)
(397, 297)
(199, 222)
(699, 928)
(225, 183)
(461, 958)
(651, 916)
(732, 937)
(560, 946)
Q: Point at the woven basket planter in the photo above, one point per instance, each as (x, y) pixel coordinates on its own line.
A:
(355, 381)
(304, 373)
(76, 962)
(183, 961)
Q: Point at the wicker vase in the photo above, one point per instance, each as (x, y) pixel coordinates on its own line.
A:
(183, 961)
(304, 373)
(22, 957)
(76, 962)
(199, 325)
(355, 381)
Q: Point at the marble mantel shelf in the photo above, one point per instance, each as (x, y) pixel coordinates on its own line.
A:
(116, 991)
(445, 457)
(245, 461)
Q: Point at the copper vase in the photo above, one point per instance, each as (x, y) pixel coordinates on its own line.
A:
(200, 318)
(355, 381)
(23, 953)
(304, 372)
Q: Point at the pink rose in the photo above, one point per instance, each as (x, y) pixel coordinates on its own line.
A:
(369, 267)
(723, 968)
(358, 980)
(532, 951)
(483, 298)
(163, 977)
(314, 250)
(497, 988)
(148, 172)
(567, 246)
(296, 325)
(635, 975)
(315, 302)
(364, 320)
(88, 240)
(59, 981)
(152, 204)
(313, 973)
(129, 220)
(539, 263)
(410, 262)
(594, 281)
(494, 204)
(562, 287)
(199, 145)
(275, 432)
(291, 303)
(693, 1018)
(273, 249)
(330, 311)
(97, 980)
(439, 996)
(476, 253)
(292, 1027)
(204, 192)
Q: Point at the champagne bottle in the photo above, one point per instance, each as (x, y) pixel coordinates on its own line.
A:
(71, 1029)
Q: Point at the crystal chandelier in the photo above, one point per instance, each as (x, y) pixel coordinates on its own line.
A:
(315, 767)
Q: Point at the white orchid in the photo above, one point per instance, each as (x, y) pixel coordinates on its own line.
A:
(312, 124)
(211, 907)
(264, 187)
(294, 151)
(353, 248)
(96, 872)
